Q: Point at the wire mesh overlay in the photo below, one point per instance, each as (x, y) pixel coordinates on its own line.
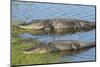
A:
(28, 11)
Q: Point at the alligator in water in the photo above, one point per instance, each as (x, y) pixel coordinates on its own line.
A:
(60, 45)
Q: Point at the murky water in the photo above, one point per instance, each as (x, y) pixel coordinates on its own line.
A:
(27, 11)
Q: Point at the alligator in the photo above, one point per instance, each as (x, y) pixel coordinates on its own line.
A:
(60, 45)
(59, 26)
(51, 24)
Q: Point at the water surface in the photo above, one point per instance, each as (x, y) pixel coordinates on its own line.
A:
(28, 11)
(51, 37)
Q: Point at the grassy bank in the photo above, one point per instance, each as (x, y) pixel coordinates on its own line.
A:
(19, 58)
(20, 44)
(16, 30)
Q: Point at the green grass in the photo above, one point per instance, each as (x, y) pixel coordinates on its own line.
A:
(19, 58)
(20, 44)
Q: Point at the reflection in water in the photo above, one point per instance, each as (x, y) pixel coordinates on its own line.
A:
(82, 55)
(64, 31)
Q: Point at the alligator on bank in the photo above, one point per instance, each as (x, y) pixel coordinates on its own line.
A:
(59, 25)
(60, 45)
